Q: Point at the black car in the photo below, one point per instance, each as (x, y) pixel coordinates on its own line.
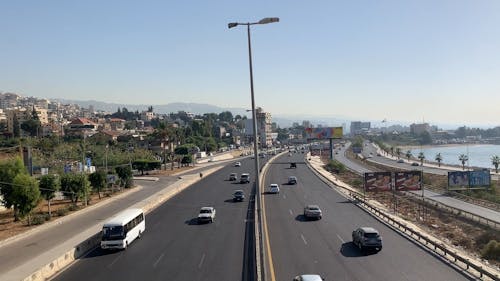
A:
(292, 180)
(238, 195)
(293, 165)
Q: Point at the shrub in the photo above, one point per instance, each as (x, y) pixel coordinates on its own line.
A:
(335, 166)
(73, 207)
(62, 212)
(39, 219)
(491, 250)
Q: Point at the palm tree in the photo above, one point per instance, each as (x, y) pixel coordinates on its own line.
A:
(463, 158)
(421, 156)
(439, 158)
(398, 152)
(408, 154)
(392, 150)
(495, 160)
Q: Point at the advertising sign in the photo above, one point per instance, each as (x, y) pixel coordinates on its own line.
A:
(324, 133)
(378, 181)
(458, 180)
(408, 180)
(479, 178)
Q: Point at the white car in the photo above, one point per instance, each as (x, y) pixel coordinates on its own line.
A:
(274, 188)
(207, 214)
(308, 277)
(237, 164)
(313, 212)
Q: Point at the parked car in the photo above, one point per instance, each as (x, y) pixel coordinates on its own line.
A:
(207, 214)
(367, 238)
(312, 212)
(245, 178)
(238, 195)
(308, 277)
(292, 180)
(274, 188)
(233, 177)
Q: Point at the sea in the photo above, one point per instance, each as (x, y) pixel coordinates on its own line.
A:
(479, 154)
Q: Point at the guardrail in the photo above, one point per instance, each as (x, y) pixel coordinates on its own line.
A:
(439, 249)
(462, 213)
(468, 215)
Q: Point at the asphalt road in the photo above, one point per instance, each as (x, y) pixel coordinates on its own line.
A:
(175, 247)
(324, 247)
(368, 149)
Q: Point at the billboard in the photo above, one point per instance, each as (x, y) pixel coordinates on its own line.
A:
(378, 181)
(408, 180)
(458, 180)
(479, 178)
(324, 133)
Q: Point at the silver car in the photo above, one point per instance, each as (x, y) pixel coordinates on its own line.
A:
(308, 277)
(312, 212)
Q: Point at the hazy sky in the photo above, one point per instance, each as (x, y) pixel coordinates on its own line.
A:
(409, 60)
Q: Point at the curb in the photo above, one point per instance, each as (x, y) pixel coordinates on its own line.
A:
(62, 220)
(64, 261)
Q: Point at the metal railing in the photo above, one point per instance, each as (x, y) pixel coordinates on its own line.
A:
(439, 249)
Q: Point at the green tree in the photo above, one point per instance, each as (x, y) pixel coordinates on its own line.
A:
(495, 161)
(439, 158)
(9, 169)
(75, 186)
(398, 152)
(421, 157)
(26, 195)
(98, 181)
(125, 175)
(146, 165)
(425, 138)
(48, 185)
(463, 158)
(408, 154)
(33, 124)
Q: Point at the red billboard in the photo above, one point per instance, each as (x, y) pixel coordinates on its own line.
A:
(378, 181)
(408, 180)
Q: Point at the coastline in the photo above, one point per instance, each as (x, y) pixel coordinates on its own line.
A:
(412, 147)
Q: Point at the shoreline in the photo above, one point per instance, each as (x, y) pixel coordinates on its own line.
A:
(412, 147)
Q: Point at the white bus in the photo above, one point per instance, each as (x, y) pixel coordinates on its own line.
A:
(122, 229)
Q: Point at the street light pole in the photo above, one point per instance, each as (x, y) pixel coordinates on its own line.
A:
(254, 114)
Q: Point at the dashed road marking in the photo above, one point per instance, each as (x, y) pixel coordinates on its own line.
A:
(303, 239)
(158, 260)
(201, 261)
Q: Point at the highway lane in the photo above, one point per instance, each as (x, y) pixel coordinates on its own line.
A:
(174, 246)
(324, 246)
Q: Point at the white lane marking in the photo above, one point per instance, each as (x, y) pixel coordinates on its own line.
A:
(115, 260)
(201, 261)
(284, 196)
(158, 260)
(303, 239)
(291, 213)
(340, 238)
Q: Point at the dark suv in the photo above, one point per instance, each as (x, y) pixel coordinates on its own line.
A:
(367, 238)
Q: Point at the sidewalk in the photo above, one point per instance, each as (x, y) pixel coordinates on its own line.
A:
(54, 245)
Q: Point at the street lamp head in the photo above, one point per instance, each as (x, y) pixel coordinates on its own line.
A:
(232, 24)
(268, 20)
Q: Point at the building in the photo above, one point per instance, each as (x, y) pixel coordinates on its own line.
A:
(360, 128)
(418, 129)
(21, 115)
(264, 131)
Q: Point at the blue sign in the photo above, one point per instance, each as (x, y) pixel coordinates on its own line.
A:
(89, 163)
(479, 178)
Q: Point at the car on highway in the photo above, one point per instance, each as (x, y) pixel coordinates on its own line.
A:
(207, 214)
(292, 180)
(237, 164)
(308, 277)
(367, 238)
(245, 178)
(293, 165)
(233, 177)
(238, 195)
(312, 212)
(401, 161)
(415, 164)
(274, 188)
